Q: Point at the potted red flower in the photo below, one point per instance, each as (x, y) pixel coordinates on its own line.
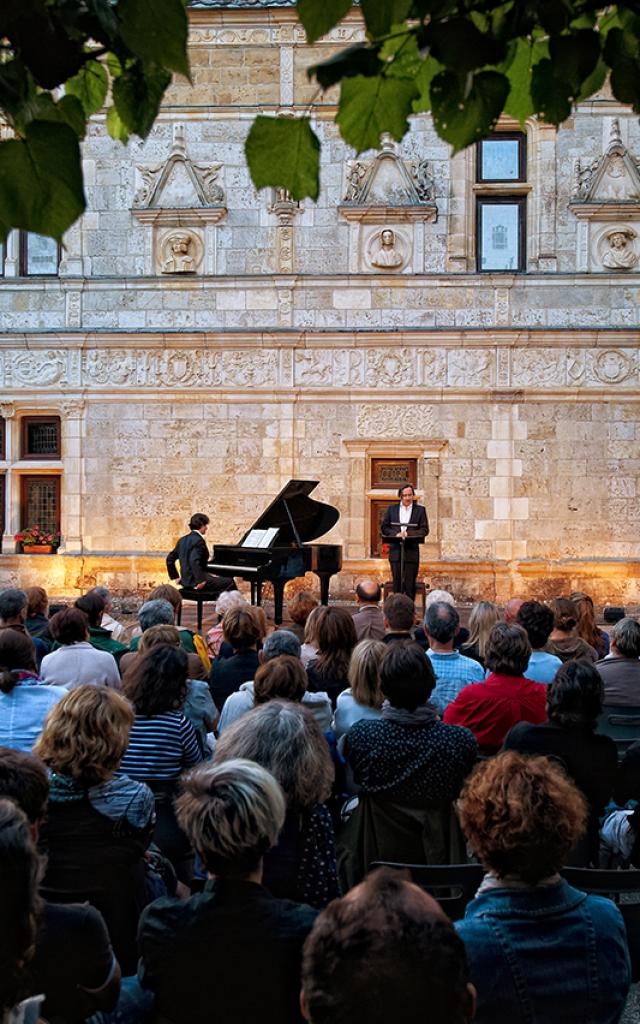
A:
(36, 541)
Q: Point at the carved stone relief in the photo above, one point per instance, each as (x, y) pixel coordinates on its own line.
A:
(617, 248)
(389, 366)
(538, 367)
(394, 421)
(387, 250)
(179, 252)
(285, 209)
(469, 368)
(178, 183)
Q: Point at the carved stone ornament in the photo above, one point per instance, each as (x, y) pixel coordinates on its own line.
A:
(179, 252)
(617, 248)
(179, 192)
(387, 421)
(388, 188)
(387, 250)
(609, 185)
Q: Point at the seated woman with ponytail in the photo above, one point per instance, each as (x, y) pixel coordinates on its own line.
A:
(24, 698)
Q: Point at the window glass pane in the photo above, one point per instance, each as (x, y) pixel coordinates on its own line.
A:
(42, 255)
(500, 235)
(41, 503)
(500, 160)
(42, 437)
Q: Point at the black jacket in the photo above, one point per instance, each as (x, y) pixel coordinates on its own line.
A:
(193, 554)
(419, 528)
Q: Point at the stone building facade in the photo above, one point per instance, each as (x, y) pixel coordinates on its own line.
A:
(202, 343)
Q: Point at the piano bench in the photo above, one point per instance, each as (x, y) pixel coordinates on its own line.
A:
(201, 597)
(421, 591)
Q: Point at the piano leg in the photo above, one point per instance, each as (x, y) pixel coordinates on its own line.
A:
(278, 595)
(324, 578)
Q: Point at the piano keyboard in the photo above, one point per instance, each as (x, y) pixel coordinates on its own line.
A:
(235, 568)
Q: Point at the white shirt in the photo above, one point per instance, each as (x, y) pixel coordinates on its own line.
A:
(405, 514)
(75, 664)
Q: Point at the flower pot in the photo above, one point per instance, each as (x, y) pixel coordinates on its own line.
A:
(37, 549)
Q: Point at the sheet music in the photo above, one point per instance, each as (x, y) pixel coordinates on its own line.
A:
(260, 538)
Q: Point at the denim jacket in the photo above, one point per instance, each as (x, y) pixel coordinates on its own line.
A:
(24, 709)
(546, 954)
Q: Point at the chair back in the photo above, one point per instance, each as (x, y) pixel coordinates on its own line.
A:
(622, 724)
(623, 887)
(452, 885)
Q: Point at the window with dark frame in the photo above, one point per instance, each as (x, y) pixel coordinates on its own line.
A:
(40, 502)
(501, 171)
(39, 256)
(40, 437)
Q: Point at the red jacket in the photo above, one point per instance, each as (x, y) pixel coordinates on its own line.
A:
(489, 709)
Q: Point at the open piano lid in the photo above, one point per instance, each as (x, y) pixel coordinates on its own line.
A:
(311, 518)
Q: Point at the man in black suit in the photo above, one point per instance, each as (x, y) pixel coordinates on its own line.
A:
(193, 554)
(405, 524)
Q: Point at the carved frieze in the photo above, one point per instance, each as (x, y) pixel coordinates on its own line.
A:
(391, 421)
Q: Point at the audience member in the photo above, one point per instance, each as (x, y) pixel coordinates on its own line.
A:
(587, 627)
(20, 908)
(574, 702)
(482, 618)
(167, 592)
(286, 740)
(620, 672)
(24, 700)
(511, 609)
(98, 826)
(385, 952)
(537, 621)
(163, 742)
(452, 670)
(538, 949)
(408, 755)
(364, 697)
(93, 605)
(299, 608)
(399, 614)
(37, 621)
(335, 637)
(244, 631)
(198, 708)
(13, 615)
(234, 947)
(289, 682)
(117, 630)
(506, 697)
(160, 612)
(76, 661)
(434, 597)
(227, 600)
(563, 640)
(73, 965)
(369, 619)
(309, 648)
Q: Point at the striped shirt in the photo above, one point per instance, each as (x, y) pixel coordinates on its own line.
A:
(160, 747)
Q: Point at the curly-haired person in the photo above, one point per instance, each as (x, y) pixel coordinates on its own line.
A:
(539, 950)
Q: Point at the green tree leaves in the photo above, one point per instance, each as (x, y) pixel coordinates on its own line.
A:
(371, 106)
(40, 180)
(284, 152)
(81, 46)
(466, 108)
(318, 19)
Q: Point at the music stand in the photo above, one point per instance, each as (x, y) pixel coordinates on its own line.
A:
(406, 527)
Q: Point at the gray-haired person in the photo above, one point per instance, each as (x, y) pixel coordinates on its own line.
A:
(281, 642)
(620, 671)
(234, 939)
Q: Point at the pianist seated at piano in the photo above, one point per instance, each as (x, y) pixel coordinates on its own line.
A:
(192, 553)
(244, 629)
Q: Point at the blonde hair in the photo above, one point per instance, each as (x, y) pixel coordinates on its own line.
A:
(232, 813)
(156, 635)
(482, 619)
(364, 672)
(86, 734)
(311, 626)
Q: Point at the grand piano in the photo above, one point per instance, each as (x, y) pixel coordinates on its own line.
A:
(277, 548)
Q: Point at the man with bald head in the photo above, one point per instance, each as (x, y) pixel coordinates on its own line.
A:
(369, 620)
(511, 609)
(385, 952)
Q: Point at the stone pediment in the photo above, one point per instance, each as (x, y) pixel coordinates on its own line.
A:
(608, 186)
(388, 187)
(179, 191)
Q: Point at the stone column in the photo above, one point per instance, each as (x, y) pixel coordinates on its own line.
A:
(73, 476)
(11, 495)
(506, 431)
